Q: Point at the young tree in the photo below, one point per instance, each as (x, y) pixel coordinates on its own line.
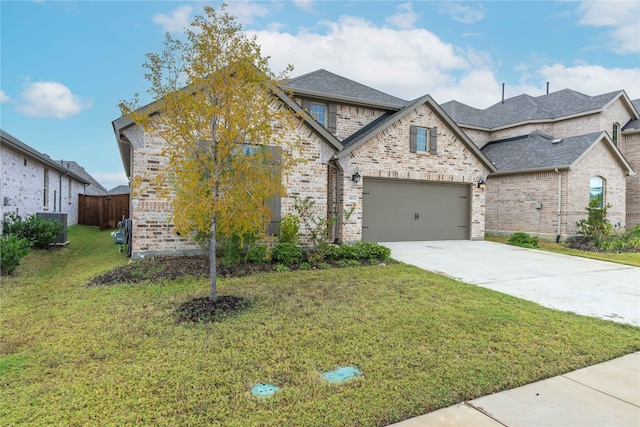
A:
(224, 128)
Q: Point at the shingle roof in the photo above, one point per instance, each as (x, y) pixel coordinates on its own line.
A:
(15, 144)
(538, 151)
(633, 125)
(325, 84)
(120, 189)
(525, 108)
(94, 188)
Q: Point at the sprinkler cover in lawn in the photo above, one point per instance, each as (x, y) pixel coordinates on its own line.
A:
(264, 390)
(341, 375)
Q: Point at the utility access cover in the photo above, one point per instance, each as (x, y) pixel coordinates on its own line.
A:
(341, 375)
(264, 390)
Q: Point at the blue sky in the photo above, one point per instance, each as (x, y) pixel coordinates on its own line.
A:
(66, 65)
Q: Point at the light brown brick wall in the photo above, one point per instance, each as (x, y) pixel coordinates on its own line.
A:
(352, 118)
(387, 155)
(153, 231)
(511, 199)
(631, 145)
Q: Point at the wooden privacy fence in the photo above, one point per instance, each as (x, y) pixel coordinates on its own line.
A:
(102, 211)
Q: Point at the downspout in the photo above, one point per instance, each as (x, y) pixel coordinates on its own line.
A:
(559, 203)
(337, 228)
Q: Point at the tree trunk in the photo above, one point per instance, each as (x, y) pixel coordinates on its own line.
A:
(213, 294)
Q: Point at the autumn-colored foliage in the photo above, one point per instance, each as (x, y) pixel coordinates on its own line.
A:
(224, 130)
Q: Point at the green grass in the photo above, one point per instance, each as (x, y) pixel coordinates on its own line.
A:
(116, 356)
(627, 258)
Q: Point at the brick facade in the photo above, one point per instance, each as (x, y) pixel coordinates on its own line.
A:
(23, 188)
(387, 155)
(513, 200)
(503, 208)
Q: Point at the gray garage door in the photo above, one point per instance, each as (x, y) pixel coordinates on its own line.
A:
(395, 211)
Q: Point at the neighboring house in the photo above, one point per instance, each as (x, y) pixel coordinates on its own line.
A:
(94, 188)
(31, 182)
(553, 153)
(402, 169)
(120, 189)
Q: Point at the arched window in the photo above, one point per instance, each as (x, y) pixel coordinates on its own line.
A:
(614, 133)
(596, 190)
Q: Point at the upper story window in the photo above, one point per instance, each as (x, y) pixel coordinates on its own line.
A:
(319, 112)
(614, 133)
(596, 191)
(423, 140)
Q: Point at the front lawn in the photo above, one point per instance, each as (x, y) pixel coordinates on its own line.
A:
(115, 355)
(627, 258)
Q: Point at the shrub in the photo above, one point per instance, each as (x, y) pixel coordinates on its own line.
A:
(233, 247)
(523, 240)
(286, 253)
(322, 252)
(324, 266)
(258, 254)
(281, 268)
(12, 249)
(38, 231)
(305, 266)
(289, 229)
(596, 226)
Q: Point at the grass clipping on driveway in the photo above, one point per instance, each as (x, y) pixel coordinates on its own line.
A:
(77, 355)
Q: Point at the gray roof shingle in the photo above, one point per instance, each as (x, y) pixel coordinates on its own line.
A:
(94, 188)
(523, 108)
(325, 84)
(538, 151)
(633, 125)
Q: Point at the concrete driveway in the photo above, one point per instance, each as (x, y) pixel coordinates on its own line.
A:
(589, 287)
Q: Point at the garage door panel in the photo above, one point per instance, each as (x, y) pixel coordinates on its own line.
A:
(411, 210)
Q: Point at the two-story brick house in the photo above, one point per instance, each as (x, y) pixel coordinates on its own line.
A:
(402, 169)
(554, 153)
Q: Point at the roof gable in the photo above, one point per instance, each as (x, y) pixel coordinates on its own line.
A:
(539, 151)
(384, 122)
(326, 85)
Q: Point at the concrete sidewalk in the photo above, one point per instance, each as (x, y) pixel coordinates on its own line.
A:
(607, 394)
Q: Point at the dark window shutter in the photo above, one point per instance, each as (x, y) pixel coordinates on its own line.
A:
(433, 140)
(413, 143)
(333, 117)
(306, 104)
(274, 225)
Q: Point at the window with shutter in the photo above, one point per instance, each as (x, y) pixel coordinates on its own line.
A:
(420, 140)
(413, 132)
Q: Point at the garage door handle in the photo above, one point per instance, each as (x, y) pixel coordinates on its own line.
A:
(416, 216)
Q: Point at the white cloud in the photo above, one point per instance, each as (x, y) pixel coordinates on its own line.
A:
(245, 11)
(110, 180)
(592, 79)
(304, 4)
(461, 13)
(405, 17)
(623, 19)
(404, 63)
(4, 97)
(51, 99)
(176, 20)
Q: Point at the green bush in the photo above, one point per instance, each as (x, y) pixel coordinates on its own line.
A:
(289, 229)
(286, 253)
(234, 247)
(258, 254)
(524, 240)
(12, 249)
(596, 226)
(38, 231)
(322, 252)
(305, 266)
(622, 241)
